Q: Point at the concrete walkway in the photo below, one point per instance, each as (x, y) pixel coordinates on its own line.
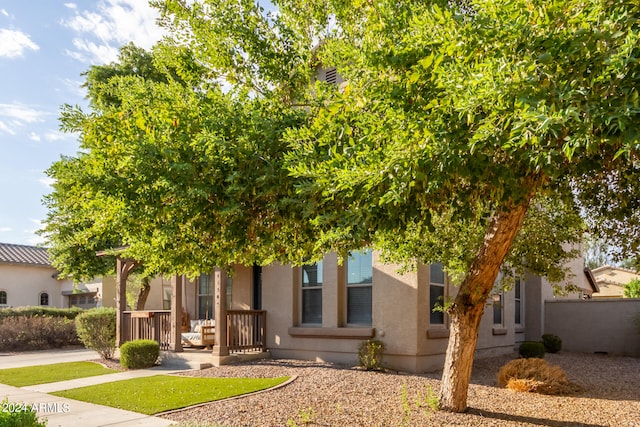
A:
(62, 412)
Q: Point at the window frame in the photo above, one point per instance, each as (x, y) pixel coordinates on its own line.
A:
(432, 304)
(362, 284)
(44, 296)
(307, 289)
(518, 298)
(209, 296)
(4, 295)
(498, 308)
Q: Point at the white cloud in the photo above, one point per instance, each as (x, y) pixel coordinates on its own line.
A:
(4, 12)
(112, 24)
(71, 5)
(34, 239)
(34, 136)
(57, 136)
(16, 115)
(47, 181)
(14, 43)
(75, 87)
(6, 128)
(5, 229)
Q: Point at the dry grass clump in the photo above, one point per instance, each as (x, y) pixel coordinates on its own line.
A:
(535, 376)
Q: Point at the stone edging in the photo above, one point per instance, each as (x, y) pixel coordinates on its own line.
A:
(287, 382)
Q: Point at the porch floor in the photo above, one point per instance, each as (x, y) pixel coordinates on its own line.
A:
(196, 358)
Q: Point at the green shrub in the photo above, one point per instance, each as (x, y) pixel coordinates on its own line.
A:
(24, 333)
(139, 354)
(532, 349)
(97, 330)
(370, 355)
(33, 311)
(552, 343)
(18, 415)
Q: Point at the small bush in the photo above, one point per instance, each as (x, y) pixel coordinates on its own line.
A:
(531, 349)
(24, 333)
(67, 313)
(552, 343)
(97, 330)
(370, 355)
(536, 376)
(18, 415)
(139, 354)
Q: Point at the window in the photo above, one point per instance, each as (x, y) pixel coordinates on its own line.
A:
(229, 289)
(3, 297)
(44, 298)
(205, 296)
(436, 293)
(359, 285)
(517, 288)
(498, 307)
(166, 295)
(86, 300)
(312, 293)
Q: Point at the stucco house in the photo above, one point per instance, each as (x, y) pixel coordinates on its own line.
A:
(27, 278)
(611, 280)
(324, 311)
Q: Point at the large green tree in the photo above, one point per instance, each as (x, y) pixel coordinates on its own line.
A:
(460, 136)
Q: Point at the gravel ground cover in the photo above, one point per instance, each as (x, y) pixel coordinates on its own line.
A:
(331, 395)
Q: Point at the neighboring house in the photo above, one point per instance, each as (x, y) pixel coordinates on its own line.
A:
(324, 311)
(611, 280)
(27, 278)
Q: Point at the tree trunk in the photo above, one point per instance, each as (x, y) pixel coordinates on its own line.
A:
(468, 306)
(143, 294)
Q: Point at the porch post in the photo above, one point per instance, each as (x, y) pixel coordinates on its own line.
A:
(123, 268)
(220, 313)
(176, 313)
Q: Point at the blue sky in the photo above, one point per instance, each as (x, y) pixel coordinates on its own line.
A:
(45, 45)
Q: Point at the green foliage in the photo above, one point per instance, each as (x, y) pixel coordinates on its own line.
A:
(552, 343)
(28, 333)
(43, 374)
(305, 416)
(67, 313)
(139, 354)
(142, 394)
(19, 415)
(450, 125)
(632, 289)
(370, 354)
(97, 330)
(530, 349)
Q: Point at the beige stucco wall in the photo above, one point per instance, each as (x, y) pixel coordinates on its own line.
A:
(595, 325)
(104, 291)
(400, 318)
(241, 288)
(25, 283)
(611, 281)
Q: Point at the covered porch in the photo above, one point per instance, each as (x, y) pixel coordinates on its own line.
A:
(228, 334)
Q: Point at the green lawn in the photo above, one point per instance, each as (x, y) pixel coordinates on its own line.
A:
(160, 393)
(31, 375)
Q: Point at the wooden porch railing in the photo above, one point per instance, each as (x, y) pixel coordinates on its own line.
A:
(246, 330)
(150, 325)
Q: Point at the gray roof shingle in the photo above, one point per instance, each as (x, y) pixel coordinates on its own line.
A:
(22, 254)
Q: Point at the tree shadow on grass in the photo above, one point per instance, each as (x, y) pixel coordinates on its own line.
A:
(526, 420)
